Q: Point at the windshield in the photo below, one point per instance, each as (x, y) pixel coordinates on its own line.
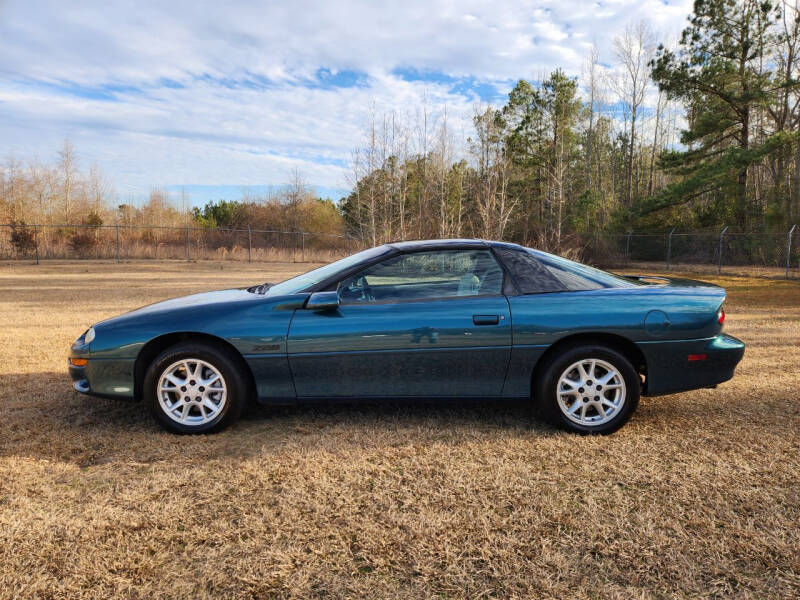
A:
(306, 280)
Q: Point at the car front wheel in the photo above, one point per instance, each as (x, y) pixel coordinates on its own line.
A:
(589, 389)
(195, 388)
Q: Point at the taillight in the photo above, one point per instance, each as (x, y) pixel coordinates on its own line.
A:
(721, 315)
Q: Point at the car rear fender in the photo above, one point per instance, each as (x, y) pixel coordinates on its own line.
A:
(681, 309)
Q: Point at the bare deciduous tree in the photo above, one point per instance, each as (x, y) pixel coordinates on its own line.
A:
(492, 202)
(633, 49)
(591, 78)
(68, 167)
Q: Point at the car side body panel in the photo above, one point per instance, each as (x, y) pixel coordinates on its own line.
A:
(255, 326)
(445, 347)
(685, 314)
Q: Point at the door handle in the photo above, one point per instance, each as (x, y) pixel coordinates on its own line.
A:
(485, 319)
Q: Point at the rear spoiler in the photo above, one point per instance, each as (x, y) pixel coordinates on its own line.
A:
(654, 279)
(666, 285)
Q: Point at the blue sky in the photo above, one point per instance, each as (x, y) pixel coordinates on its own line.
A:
(217, 96)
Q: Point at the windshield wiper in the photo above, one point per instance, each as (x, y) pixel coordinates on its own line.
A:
(260, 289)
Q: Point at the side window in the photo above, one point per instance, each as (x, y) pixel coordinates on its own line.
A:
(573, 276)
(531, 276)
(421, 275)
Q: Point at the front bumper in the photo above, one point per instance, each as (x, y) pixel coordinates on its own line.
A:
(106, 378)
(79, 380)
(669, 369)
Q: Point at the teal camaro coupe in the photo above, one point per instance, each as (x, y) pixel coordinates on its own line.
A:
(423, 319)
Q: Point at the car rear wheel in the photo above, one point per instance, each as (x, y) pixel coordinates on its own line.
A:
(589, 389)
(195, 388)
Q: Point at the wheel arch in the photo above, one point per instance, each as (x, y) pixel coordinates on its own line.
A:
(158, 344)
(622, 344)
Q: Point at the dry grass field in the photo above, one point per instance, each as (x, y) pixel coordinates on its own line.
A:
(698, 496)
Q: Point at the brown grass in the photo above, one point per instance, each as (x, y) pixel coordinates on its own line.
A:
(696, 496)
(709, 269)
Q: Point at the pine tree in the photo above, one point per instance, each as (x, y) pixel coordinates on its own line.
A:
(719, 71)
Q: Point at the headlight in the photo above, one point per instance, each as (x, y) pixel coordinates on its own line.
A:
(88, 337)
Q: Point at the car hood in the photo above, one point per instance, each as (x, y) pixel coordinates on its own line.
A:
(206, 305)
(203, 299)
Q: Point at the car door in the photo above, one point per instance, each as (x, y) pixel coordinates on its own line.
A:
(427, 324)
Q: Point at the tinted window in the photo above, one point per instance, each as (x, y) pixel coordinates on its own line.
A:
(421, 275)
(576, 276)
(531, 276)
(539, 272)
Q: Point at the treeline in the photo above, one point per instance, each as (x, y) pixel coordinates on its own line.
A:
(52, 193)
(695, 136)
(64, 194)
(294, 207)
(61, 211)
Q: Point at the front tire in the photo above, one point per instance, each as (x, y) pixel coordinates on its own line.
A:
(195, 388)
(588, 389)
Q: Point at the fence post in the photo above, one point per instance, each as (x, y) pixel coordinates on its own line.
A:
(719, 253)
(669, 246)
(628, 248)
(789, 249)
(116, 227)
(249, 243)
(188, 256)
(36, 241)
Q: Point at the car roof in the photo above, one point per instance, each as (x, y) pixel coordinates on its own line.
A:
(444, 244)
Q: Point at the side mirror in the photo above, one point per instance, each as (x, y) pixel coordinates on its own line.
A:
(321, 301)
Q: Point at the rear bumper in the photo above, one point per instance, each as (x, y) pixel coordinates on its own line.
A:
(669, 369)
(105, 378)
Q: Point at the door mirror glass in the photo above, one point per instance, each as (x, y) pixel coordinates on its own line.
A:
(321, 301)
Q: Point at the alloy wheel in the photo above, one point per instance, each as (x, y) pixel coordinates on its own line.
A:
(591, 392)
(192, 392)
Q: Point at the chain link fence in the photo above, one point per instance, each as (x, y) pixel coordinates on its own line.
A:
(728, 249)
(121, 242)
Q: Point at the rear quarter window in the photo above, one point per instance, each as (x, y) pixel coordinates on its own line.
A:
(577, 276)
(531, 276)
(539, 272)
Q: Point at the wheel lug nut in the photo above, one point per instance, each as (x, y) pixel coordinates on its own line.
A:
(580, 390)
(202, 389)
(191, 382)
(589, 382)
(183, 388)
(597, 397)
(186, 398)
(599, 387)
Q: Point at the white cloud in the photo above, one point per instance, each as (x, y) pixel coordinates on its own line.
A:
(221, 92)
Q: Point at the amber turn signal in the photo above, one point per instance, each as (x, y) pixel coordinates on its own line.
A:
(78, 362)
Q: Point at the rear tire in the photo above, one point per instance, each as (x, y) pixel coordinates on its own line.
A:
(195, 388)
(588, 389)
